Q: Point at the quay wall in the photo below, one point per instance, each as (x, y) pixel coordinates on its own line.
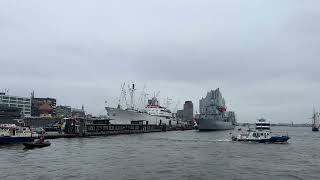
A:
(88, 130)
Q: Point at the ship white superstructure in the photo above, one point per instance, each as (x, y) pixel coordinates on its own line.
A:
(152, 113)
(153, 108)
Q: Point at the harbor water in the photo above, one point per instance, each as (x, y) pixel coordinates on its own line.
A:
(166, 155)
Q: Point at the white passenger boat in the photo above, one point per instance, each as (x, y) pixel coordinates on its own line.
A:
(10, 133)
(261, 134)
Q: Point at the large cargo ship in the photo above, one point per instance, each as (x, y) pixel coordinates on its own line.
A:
(213, 113)
(152, 113)
(126, 116)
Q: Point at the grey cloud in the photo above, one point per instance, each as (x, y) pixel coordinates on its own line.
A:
(263, 54)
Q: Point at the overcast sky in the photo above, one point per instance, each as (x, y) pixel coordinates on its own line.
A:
(264, 55)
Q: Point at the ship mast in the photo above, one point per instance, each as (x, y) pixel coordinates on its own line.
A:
(314, 117)
(132, 90)
(123, 96)
(143, 98)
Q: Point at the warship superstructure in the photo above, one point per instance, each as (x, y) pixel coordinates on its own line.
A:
(213, 113)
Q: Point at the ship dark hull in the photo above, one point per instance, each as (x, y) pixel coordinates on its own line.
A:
(31, 145)
(275, 139)
(314, 129)
(214, 125)
(14, 140)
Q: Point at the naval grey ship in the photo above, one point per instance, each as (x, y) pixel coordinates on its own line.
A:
(213, 113)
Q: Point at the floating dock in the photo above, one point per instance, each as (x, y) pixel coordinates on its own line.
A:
(105, 129)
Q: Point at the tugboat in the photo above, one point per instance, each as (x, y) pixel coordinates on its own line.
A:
(315, 121)
(261, 134)
(37, 144)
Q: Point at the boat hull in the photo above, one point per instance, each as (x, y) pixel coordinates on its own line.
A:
(314, 129)
(214, 125)
(120, 116)
(274, 139)
(31, 145)
(14, 140)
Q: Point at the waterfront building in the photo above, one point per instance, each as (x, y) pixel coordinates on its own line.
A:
(38, 102)
(186, 114)
(45, 111)
(78, 113)
(7, 112)
(188, 111)
(179, 115)
(23, 103)
(64, 111)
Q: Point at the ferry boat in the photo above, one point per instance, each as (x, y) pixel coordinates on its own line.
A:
(10, 133)
(261, 134)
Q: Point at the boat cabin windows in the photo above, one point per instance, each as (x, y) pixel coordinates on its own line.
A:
(258, 135)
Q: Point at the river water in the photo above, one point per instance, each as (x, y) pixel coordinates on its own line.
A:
(170, 155)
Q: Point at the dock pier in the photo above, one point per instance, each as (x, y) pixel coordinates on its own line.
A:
(104, 128)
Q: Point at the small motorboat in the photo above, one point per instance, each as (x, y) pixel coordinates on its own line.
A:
(31, 145)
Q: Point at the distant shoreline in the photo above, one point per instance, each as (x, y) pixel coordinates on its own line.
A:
(287, 125)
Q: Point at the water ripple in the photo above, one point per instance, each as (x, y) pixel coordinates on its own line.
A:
(171, 155)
